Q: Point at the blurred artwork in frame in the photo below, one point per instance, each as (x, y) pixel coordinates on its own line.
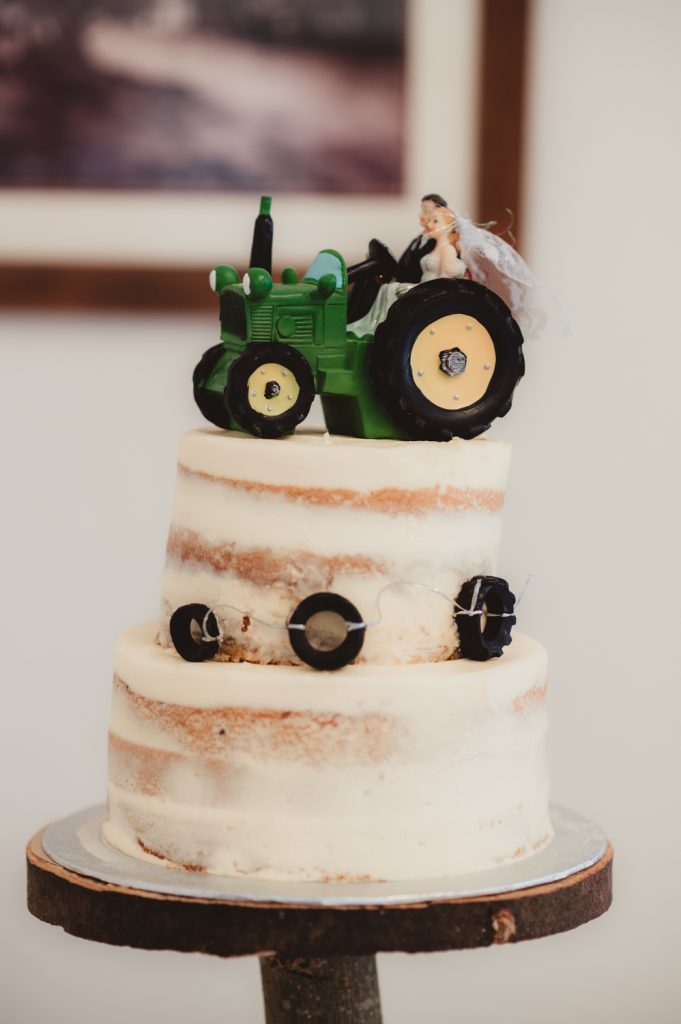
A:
(237, 95)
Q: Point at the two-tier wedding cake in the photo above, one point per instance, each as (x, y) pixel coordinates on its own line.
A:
(330, 692)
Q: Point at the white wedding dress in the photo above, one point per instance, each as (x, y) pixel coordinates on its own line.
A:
(432, 267)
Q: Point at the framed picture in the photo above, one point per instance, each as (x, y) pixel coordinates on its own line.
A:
(156, 126)
(203, 95)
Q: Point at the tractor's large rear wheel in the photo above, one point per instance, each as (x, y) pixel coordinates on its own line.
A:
(270, 388)
(446, 360)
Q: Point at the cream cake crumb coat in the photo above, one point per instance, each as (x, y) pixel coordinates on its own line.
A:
(258, 525)
(376, 772)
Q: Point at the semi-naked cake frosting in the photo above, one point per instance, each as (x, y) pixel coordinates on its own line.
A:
(258, 525)
(412, 762)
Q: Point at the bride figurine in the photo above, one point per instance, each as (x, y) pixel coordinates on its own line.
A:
(442, 261)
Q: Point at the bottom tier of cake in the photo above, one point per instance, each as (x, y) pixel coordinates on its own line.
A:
(371, 773)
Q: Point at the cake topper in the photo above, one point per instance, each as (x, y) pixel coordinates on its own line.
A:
(484, 612)
(407, 269)
(439, 359)
(439, 259)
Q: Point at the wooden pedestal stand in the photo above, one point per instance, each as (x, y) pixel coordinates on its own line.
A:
(318, 963)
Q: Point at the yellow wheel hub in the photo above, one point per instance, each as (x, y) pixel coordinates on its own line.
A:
(453, 360)
(272, 389)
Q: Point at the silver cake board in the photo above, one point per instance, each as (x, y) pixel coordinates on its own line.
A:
(76, 844)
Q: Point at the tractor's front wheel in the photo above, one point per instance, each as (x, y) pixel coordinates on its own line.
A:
(270, 388)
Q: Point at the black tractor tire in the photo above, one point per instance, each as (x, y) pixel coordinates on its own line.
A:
(393, 381)
(211, 403)
(184, 640)
(482, 641)
(238, 400)
(338, 656)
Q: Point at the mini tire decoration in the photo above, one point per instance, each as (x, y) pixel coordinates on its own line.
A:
(187, 626)
(270, 388)
(335, 657)
(211, 403)
(485, 616)
(446, 360)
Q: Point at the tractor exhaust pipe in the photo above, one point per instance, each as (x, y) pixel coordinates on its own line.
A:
(261, 249)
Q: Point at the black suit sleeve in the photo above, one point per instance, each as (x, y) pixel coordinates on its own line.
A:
(409, 263)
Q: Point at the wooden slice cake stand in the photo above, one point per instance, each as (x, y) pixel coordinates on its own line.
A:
(316, 944)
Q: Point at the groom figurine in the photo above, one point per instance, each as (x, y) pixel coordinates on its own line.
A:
(366, 284)
(409, 263)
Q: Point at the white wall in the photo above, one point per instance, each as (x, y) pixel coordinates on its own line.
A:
(90, 410)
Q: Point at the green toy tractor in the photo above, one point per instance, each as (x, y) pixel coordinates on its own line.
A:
(444, 363)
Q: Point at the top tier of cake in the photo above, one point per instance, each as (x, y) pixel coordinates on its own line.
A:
(394, 527)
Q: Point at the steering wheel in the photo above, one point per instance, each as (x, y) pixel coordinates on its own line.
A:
(380, 262)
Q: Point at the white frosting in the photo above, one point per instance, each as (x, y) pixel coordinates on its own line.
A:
(321, 459)
(376, 771)
(403, 765)
(259, 525)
